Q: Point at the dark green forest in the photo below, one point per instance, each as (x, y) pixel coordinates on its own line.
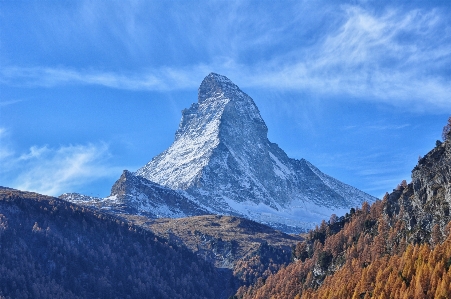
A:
(50, 248)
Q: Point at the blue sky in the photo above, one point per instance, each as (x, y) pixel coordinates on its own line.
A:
(88, 88)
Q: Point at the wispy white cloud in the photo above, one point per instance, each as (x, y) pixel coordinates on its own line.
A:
(7, 103)
(388, 127)
(161, 79)
(5, 149)
(387, 58)
(395, 56)
(34, 153)
(376, 127)
(53, 171)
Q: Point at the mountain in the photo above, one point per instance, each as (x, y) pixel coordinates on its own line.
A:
(221, 162)
(52, 248)
(222, 240)
(399, 247)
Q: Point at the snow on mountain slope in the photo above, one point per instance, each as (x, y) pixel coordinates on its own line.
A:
(136, 195)
(222, 161)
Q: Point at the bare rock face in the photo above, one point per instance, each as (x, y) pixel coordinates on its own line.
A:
(431, 178)
(138, 196)
(151, 199)
(425, 202)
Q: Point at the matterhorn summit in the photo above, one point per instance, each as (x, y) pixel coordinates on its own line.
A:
(221, 162)
(220, 142)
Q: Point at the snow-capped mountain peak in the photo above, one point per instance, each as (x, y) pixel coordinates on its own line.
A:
(221, 162)
(222, 112)
(222, 159)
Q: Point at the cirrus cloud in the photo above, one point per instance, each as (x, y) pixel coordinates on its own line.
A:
(394, 56)
(53, 171)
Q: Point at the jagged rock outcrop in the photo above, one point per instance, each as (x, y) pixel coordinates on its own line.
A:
(426, 201)
(136, 195)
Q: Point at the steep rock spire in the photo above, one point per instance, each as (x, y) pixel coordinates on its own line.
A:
(214, 85)
(223, 114)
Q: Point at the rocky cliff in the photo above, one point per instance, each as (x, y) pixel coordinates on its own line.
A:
(425, 202)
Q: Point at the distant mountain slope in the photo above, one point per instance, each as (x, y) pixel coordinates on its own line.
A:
(238, 235)
(227, 242)
(399, 247)
(136, 195)
(222, 162)
(50, 248)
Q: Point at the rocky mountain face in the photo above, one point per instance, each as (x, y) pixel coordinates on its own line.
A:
(221, 240)
(136, 195)
(221, 162)
(425, 202)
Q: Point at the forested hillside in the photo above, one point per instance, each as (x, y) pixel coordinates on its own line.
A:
(399, 247)
(50, 248)
(250, 249)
